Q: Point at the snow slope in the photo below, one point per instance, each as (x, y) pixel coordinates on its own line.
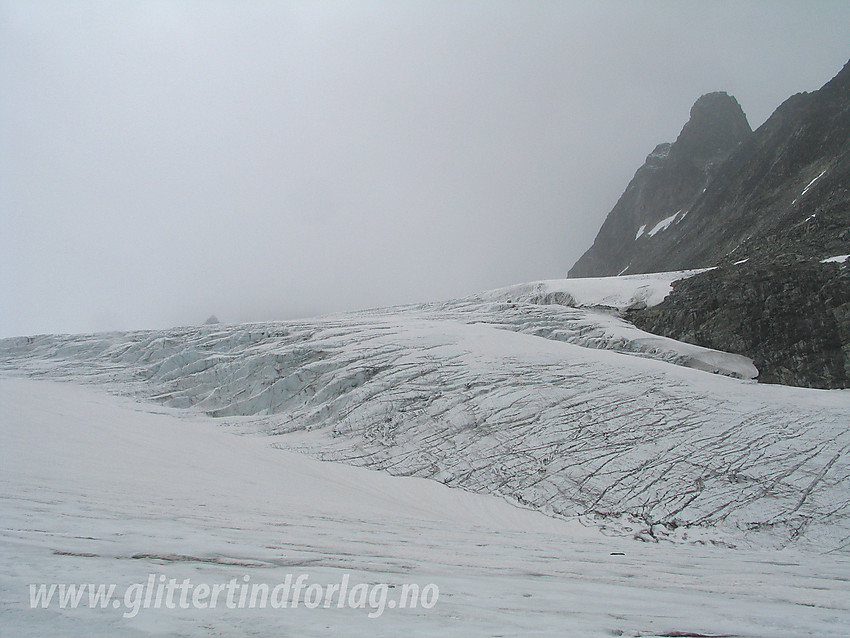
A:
(101, 489)
(567, 410)
(626, 291)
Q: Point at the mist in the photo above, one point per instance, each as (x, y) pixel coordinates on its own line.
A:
(164, 161)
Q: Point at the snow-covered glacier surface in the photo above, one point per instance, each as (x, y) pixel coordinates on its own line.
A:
(525, 393)
(106, 490)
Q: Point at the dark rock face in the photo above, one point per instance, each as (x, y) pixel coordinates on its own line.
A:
(672, 177)
(779, 199)
(791, 318)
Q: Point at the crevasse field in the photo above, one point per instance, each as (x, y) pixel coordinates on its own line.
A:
(552, 469)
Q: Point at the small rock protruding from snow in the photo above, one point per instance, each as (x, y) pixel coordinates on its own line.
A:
(211, 321)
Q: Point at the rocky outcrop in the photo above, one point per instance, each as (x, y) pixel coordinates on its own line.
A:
(770, 212)
(791, 318)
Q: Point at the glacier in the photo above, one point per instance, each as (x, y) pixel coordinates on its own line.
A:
(539, 394)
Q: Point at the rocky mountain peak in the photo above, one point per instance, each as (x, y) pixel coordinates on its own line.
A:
(664, 188)
(717, 125)
(716, 107)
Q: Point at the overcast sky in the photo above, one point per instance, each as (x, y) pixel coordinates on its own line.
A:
(164, 161)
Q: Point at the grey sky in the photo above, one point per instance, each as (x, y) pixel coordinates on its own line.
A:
(162, 161)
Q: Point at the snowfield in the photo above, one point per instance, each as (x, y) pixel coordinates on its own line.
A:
(728, 499)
